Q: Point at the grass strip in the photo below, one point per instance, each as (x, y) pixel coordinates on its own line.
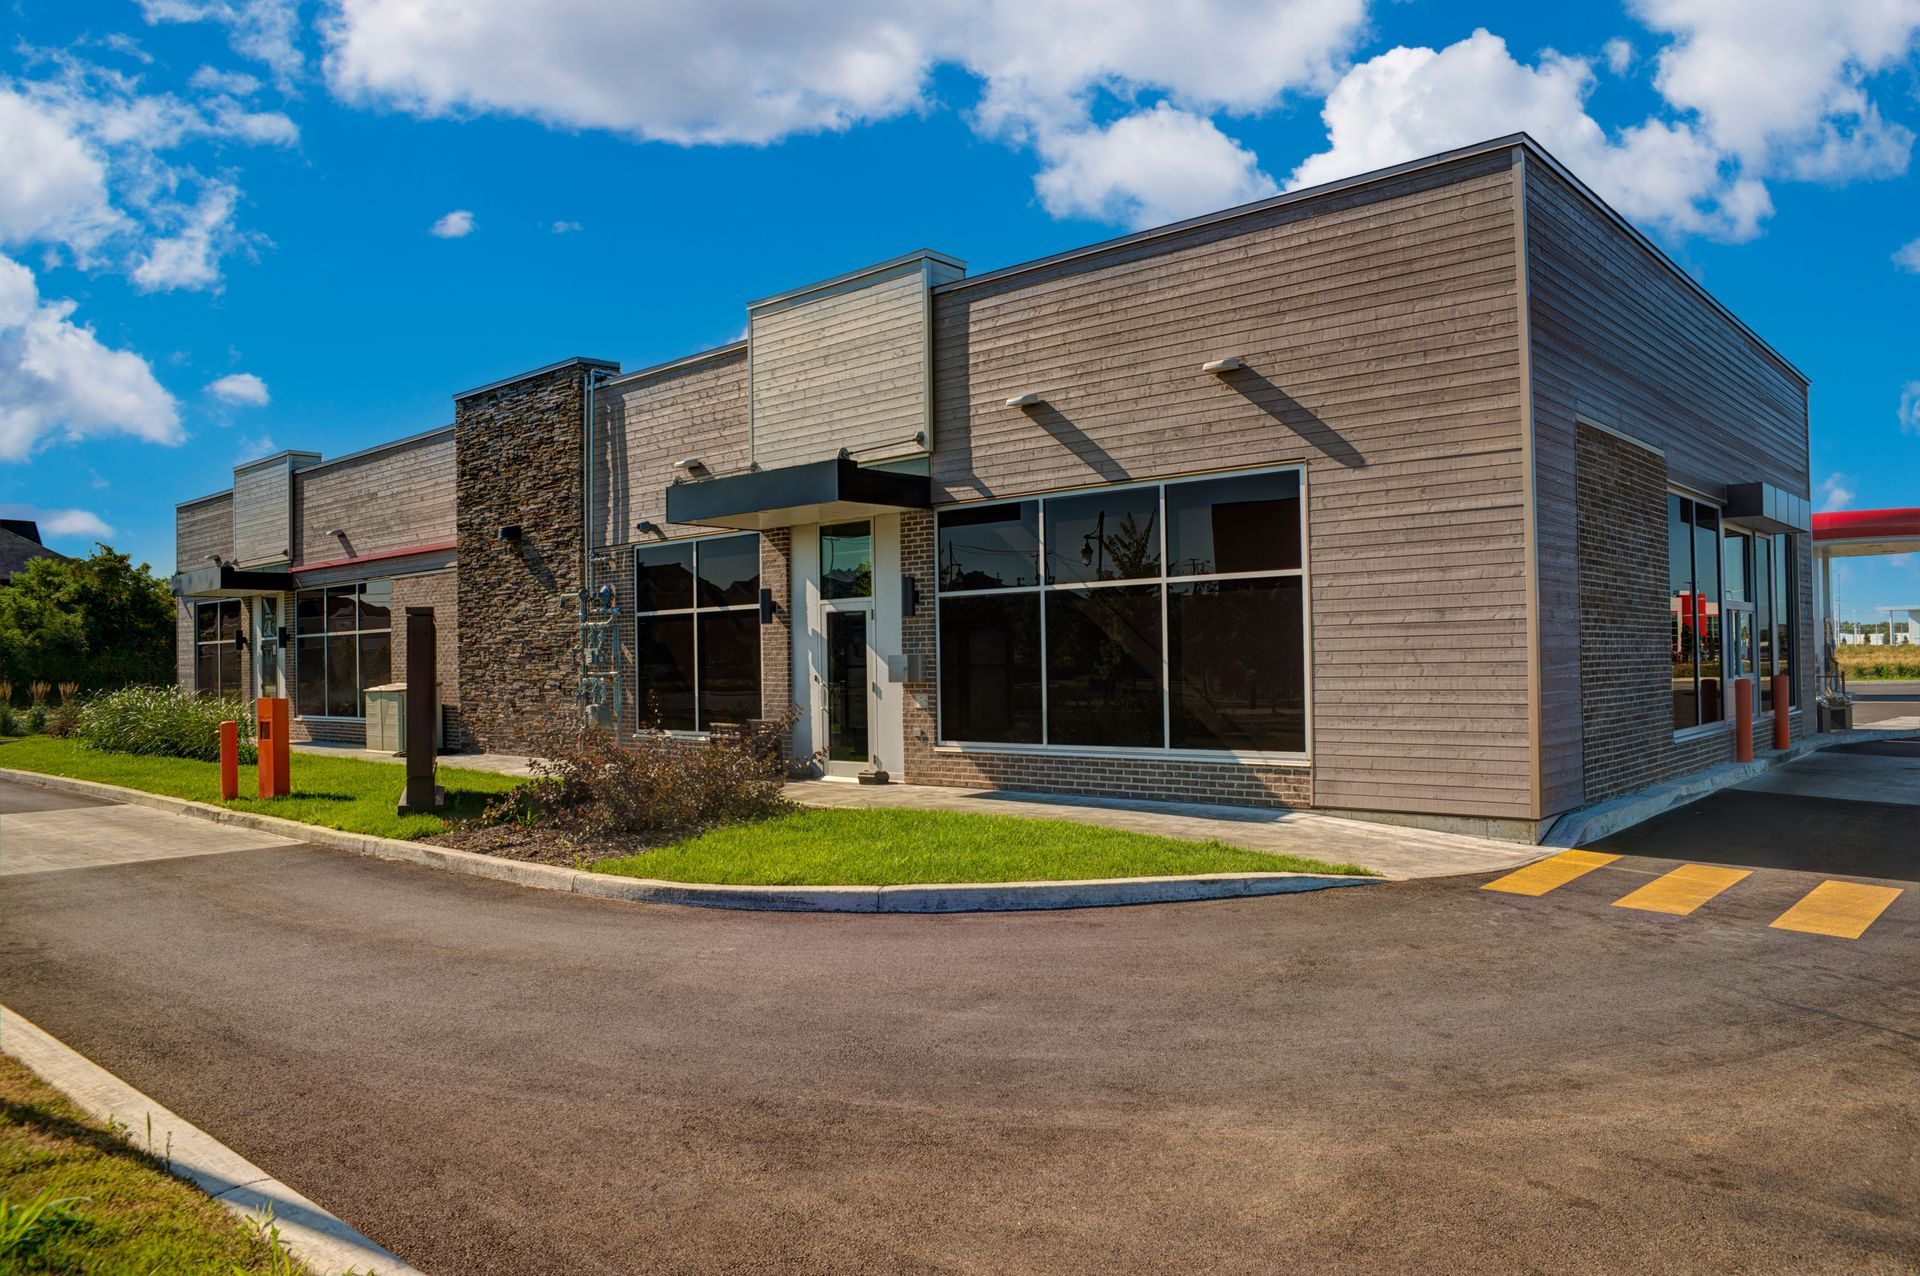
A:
(351, 794)
(899, 847)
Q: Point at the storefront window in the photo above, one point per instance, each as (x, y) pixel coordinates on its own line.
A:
(697, 632)
(1693, 573)
(1170, 615)
(342, 645)
(846, 560)
(216, 655)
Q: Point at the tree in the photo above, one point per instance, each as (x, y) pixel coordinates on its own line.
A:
(98, 621)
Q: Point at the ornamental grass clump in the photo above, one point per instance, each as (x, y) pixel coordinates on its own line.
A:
(163, 722)
(591, 788)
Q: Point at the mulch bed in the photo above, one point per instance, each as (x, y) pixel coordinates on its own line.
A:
(541, 845)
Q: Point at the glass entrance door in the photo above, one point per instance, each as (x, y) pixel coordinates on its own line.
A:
(848, 689)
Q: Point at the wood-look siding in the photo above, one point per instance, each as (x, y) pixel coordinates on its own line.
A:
(642, 426)
(391, 498)
(263, 509)
(201, 528)
(845, 369)
(1380, 329)
(1617, 338)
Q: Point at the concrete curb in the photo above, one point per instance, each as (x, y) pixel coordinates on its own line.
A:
(1603, 819)
(317, 1238)
(934, 898)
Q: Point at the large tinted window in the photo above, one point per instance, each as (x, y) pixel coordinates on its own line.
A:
(990, 668)
(1130, 638)
(1103, 536)
(217, 666)
(1238, 664)
(343, 644)
(1706, 586)
(1682, 614)
(990, 546)
(1249, 523)
(697, 633)
(846, 561)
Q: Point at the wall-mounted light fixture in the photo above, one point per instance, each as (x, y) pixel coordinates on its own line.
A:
(767, 606)
(214, 559)
(1023, 400)
(689, 464)
(509, 532)
(337, 532)
(909, 596)
(647, 527)
(1232, 363)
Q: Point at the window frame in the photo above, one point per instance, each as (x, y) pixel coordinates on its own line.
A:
(693, 612)
(327, 634)
(1164, 580)
(218, 643)
(1724, 723)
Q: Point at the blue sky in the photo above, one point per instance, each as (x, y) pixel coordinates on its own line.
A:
(217, 217)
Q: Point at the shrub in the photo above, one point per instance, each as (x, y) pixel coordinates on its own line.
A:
(165, 721)
(7, 724)
(656, 787)
(64, 720)
(34, 720)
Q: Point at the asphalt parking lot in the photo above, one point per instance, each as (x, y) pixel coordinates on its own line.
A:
(1406, 1076)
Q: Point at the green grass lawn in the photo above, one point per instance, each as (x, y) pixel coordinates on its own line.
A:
(351, 794)
(76, 1197)
(895, 847)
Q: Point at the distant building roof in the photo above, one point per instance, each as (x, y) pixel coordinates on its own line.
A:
(20, 545)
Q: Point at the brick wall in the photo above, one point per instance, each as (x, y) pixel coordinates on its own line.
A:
(1625, 670)
(1171, 779)
(518, 462)
(776, 637)
(440, 591)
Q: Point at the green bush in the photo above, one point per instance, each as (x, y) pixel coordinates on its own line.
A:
(8, 726)
(163, 721)
(63, 719)
(34, 720)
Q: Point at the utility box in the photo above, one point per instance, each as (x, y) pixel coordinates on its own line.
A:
(387, 719)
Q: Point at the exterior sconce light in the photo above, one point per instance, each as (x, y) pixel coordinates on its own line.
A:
(647, 527)
(689, 464)
(1232, 363)
(1023, 400)
(768, 607)
(214, 559)
(510, 532)
(337, 532)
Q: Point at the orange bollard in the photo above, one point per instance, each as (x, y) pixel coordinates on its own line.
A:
(229, 760)
(1782, 729)
(1743, 719)
(270, 736)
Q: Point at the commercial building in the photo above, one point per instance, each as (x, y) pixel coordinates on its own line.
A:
(1438, 494)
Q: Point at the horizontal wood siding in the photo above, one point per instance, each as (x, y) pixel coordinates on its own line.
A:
(202, 528)
(1618, 338)
(262, 513)
(393, 498)
(847, 369)
(641, 427)
(1382, 339)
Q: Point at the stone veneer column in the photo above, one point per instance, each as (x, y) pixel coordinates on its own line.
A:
(518, 463)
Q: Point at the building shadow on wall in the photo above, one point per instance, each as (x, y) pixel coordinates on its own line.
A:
(1290, 412)
(1077, 441)
(611, 475)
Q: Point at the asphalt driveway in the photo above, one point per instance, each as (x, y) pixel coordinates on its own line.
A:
(1407, 1076)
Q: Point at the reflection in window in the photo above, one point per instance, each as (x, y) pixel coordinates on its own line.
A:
(1103, 536)
(990, 546)
(1181, 659)
(216, 660)
(1693, 603)
(846, 560)
(697, 650)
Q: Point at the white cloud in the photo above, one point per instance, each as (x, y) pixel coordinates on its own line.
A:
(190, 258)
(53, 185)
(242, 389)
(254, 447)
(1408, 103)
(233, 83)
(1836, 493)
(57, 381)
(1909, 412)
(565, 228)
(63, 523)
(1780, 83)
(1619, 55)
(457, 224)
(1147, 169)
(1061, 75)
(264, 30)
(1908, 257)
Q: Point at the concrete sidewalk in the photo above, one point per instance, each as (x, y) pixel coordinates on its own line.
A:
(499, 763)
(1397, 852)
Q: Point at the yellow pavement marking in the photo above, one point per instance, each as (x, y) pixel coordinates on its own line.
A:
(1842, 909)
(1558, 870)
(1682, 890)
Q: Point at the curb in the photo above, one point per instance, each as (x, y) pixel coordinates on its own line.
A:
(316, 1237)
(1603, 819)
(930, 898)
